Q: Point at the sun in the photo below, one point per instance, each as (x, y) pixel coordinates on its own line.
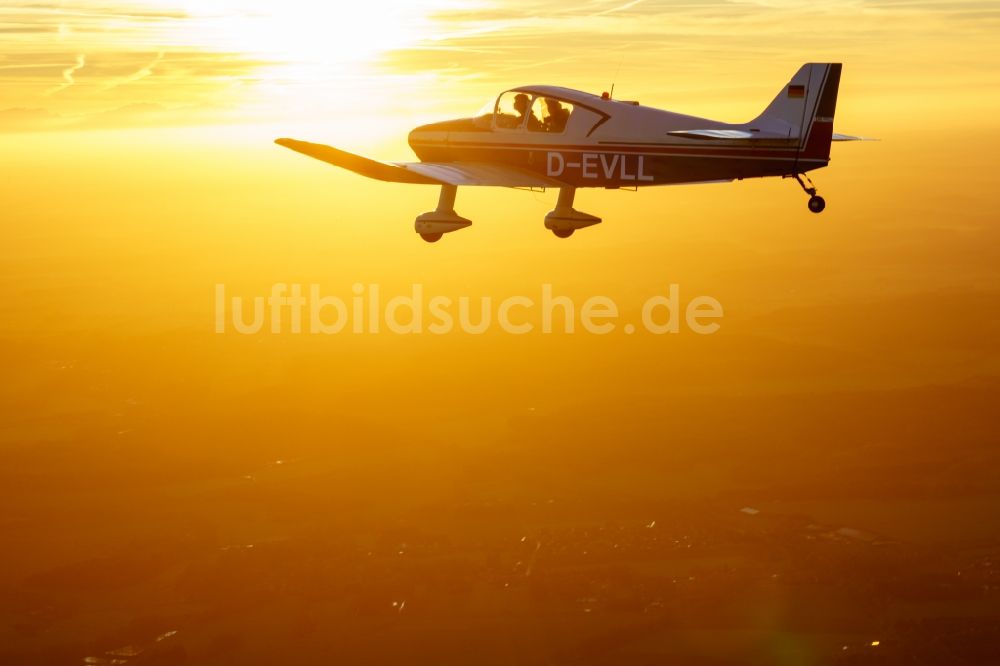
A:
(313, 62)
(307, 34)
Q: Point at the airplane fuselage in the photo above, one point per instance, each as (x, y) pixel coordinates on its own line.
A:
(612, 165)
(620, 144)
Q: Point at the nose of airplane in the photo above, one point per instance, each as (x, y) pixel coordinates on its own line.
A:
(423, 141)
(428, 134)
(431, 141)
(428, 141)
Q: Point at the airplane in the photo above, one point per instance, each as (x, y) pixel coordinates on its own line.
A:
(542, 136)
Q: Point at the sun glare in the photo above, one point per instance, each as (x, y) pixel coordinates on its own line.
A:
(310, 33)
(314, 60)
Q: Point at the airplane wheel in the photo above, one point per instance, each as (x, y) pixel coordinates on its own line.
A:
(817, 203)
(432, 238)
(563, 233)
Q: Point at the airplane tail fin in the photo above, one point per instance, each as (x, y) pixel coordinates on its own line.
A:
(804, 109)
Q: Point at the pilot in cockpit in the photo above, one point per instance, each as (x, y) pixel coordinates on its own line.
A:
(521, 104)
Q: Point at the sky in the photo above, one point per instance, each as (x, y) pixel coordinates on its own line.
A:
(140, 169)
(140, 172)
(175, 63)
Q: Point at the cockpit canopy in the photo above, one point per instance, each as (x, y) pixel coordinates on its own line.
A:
(517, 110)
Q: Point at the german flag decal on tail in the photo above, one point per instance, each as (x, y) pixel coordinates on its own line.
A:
(796, 91)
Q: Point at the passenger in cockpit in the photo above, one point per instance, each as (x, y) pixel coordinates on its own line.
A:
(557, 116)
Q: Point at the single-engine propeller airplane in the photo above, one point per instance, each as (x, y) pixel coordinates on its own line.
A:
(546, 136)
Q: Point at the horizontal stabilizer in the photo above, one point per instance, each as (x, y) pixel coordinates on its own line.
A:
(848, 137)
(728, 134)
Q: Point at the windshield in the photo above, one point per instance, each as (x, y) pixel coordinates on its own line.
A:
(519, 110)
(484, 116)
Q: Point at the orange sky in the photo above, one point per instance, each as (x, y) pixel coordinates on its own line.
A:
(139, 172)
(171, 62)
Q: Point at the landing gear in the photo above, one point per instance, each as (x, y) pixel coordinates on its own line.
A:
(443, 219)
(565, 219)
(816, 202)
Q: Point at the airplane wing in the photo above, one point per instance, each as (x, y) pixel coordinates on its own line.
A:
(393, 173)
(427, 173)
(480, 173)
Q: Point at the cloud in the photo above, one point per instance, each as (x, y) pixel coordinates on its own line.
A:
(26, 120)
(140, 114)
(464, 51)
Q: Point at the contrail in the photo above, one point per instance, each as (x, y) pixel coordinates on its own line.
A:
(141, 74)
(67, 74)
(620, 8)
